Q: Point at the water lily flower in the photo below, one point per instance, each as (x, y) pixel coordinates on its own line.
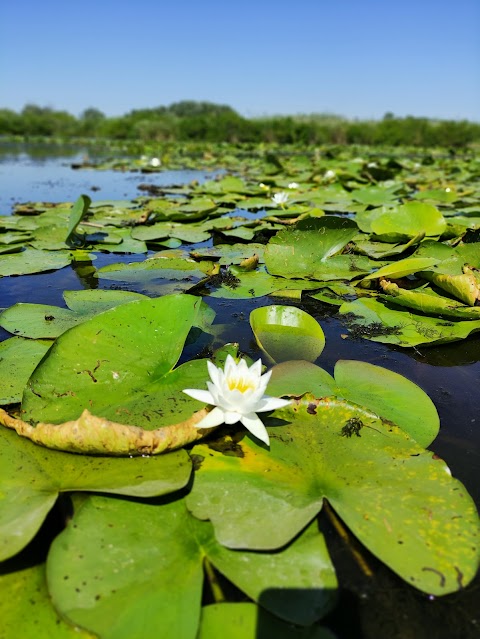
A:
(329, 175)
(279, 199)
(155, 162)
(293, 185)
(237, 394)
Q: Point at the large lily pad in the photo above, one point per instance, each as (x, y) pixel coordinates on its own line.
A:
(395, 496)
(119, 578)
(26, 610)
(32, 477)
(45, 321)
(18, 358)
(119, 365)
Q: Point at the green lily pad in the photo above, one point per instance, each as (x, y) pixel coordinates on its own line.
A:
(396, 497)
(119, 364)
(410, 219)
(26, 610)
(372, 319)
(18, 359)
(248, 621)
(33, 261)
(386, 393)
(150, 582)
(429, 302)
(287, 332)
(32, 477)
(43, 321)
(155, 268)
(307, 250)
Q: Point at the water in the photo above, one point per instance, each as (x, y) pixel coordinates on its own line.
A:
(450, 374)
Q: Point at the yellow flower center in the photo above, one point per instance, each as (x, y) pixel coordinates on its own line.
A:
(240, 383)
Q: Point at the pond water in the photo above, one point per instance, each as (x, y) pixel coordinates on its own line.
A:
(450, 374)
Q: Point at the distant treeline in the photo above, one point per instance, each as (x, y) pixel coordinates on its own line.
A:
(204, 121)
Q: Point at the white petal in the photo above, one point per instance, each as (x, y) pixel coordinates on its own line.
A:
(230, 365)
(271, 403)
(232, 417)
(254, 424)
(213, 371)
(263, 381)
(201, 395)
(214, 418)
(256, 369)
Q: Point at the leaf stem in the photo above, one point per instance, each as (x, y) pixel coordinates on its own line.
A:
(343, 532)
(217, 592)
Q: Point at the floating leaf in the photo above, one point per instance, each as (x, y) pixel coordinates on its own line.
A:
(396, 497)
(150, 582)
(44, 321)
(248, 621)
(308, 250)
(410, 219)
(428, 302)
(18, 358)
(32, 478)
(375, 388)
(371, 319)
(26, 610)
(401, 268)
(33, 261)
(287, 332)
(119, 364)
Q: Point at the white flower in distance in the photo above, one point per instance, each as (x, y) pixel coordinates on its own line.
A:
(237, 393)
(155, 162)
(293, 185)
(280, 198)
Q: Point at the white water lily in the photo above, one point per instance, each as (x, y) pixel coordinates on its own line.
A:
(329, 175)
(155, 162)
(237, 394)
(293, 185)
(280, 198)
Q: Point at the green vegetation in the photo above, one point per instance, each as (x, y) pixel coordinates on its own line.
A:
(389, 245)
(203, 121)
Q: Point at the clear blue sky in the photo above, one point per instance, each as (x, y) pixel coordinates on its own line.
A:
(357, 58)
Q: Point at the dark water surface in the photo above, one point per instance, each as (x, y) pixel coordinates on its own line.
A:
(383, 607)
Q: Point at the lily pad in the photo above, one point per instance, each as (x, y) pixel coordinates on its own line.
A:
(119, 364)
(27, 612)
(308, 250)
(389, 395)
(32, 477)
(395, 496)
(113, 602)
(287, 332)
(43, 321)
(18, 359)
(33, 261)
(371, 319)
(248, 621)
(409, 220)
